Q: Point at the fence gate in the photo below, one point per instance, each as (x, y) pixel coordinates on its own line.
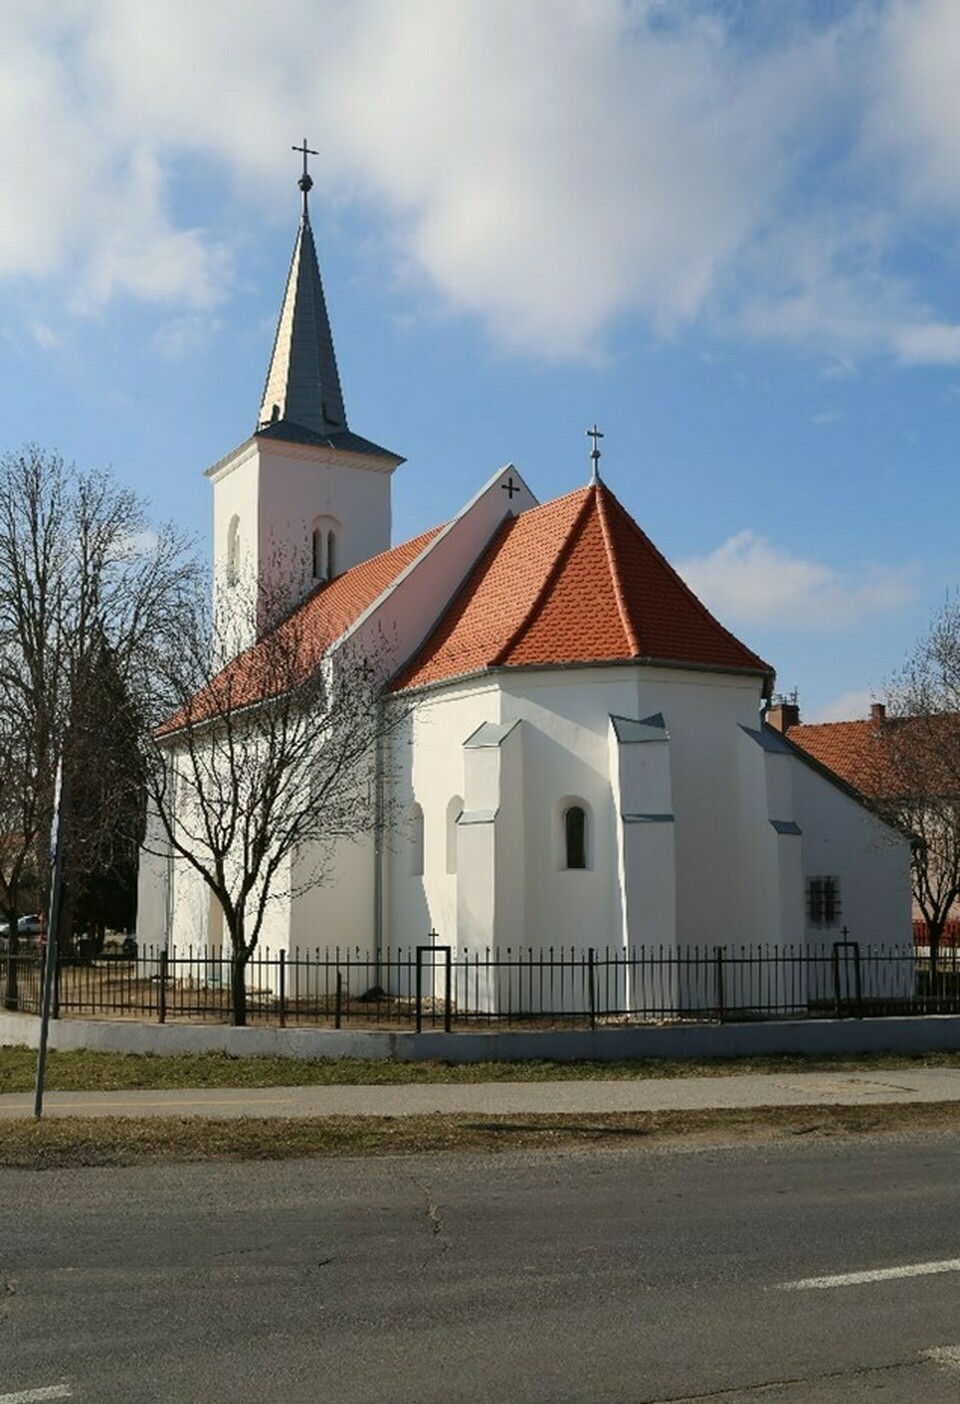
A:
(847, 989)
(447, 952)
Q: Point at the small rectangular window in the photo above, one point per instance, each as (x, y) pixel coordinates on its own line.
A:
(823, 901)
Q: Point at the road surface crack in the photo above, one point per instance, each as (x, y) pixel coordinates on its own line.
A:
(860, 1372)
(434, 1218)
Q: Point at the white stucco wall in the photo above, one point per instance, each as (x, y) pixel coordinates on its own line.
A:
(277, 490)
(427, 767)
(567, 759)
(872, 861)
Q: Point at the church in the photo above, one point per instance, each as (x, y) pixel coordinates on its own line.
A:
(588, 757)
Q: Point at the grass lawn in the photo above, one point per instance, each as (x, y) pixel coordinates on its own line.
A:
(72, 1142)
(111, 1072)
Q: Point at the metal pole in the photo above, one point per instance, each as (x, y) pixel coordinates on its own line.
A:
(53, 933)
(591, 977)
(718, 982)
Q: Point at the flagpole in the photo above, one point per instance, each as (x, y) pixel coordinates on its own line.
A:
(53, 931)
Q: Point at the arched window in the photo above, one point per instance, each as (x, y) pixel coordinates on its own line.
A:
(233, 550)
(416, 841)
(454, 810)
(575, 836)
(325, 548)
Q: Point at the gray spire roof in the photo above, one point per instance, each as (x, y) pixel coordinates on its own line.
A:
(303, 386)
(302, 399)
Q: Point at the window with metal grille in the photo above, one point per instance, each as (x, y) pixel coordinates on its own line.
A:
(823, 901)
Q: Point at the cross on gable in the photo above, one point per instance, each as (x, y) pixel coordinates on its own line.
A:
(510, 487)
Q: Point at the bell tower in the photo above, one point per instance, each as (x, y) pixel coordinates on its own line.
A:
(304, 498)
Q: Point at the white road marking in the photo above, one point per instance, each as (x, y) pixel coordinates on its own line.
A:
(28, 1396)
(853, 1279)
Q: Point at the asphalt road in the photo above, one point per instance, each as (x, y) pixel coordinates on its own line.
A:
(578, 1276)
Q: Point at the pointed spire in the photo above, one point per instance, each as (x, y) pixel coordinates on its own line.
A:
(303, 384)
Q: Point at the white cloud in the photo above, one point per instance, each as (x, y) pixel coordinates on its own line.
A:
(748, 580)
(912, 113)
(849, 706)
(546, 167)
(177, 337)
(822, 417)
(46, 337)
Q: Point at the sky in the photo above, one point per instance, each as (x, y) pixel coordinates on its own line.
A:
(726, 231)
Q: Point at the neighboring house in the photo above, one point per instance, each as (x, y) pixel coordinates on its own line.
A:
(584, 760)
(902, 766)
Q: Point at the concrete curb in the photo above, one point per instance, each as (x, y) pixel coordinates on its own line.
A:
(813, 1036)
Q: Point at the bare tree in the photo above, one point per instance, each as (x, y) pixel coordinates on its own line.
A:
(917, 766)
(80, 573)
(266, 764)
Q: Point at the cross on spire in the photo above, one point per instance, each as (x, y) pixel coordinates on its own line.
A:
(305, 182)
(595, 434)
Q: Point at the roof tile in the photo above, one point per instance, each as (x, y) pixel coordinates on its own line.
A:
(573, 581)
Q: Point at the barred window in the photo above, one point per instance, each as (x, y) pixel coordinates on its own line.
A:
(823, 901)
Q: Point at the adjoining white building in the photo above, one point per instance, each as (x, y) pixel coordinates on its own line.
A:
(585, 760)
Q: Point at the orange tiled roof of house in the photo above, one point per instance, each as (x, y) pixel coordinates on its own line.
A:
(886, 757)
(574, 581)
(299, 641)
(851, 749)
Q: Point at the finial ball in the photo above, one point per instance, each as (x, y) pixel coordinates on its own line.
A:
(305, 182)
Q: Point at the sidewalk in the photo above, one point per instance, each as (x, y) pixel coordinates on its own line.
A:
(510, 1098)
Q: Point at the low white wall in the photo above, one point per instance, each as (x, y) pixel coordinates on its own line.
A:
(693, 1041)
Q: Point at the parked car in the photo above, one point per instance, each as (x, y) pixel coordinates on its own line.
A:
(28, 929)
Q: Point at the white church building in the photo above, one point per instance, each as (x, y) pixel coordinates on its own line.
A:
(586, 759)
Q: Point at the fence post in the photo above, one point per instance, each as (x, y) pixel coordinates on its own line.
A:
(448, 989)
(338, 1002)
(283, 989)
(162, 1003)
(856, 978)
(419, 990)
(592, 986)
(55, 1011)
(837, 1007)
(718, 983)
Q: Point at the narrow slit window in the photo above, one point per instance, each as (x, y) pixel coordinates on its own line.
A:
(318, 571)
(233, 551)
(331, 554)
(575, 836)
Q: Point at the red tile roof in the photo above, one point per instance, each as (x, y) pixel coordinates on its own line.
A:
(851, 749)
(897, 757)
(574, 581)
(299, 641)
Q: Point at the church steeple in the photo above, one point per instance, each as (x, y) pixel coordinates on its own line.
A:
(303, 384)
(304, 498)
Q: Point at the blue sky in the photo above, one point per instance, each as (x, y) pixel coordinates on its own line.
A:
(727, 232)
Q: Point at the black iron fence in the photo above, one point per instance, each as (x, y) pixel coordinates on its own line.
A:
(434, 986)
